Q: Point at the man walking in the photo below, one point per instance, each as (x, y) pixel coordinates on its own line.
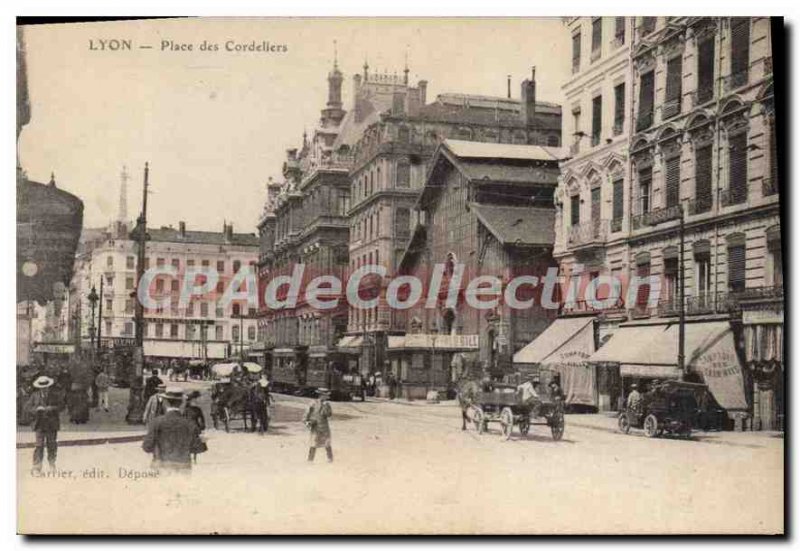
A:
(44, 406)
(316, 419)
(102, 382)
(172, 438)
(154, 406)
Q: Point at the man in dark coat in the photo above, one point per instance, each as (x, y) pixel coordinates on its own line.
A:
(44, 406)
(173, 438)
(151, 385)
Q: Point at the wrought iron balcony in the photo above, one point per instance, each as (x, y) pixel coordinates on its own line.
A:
(769, 187)
(587, 234)
(656, 216)
(669, 307)
(584, 307)
(699, 205)
(731, 197)
(735, 80)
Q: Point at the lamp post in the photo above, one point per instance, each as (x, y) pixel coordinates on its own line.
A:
(93, 298)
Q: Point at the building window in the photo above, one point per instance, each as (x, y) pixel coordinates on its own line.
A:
(190, 263)
(402, 219)
(129, 282)
(221, 266)
(597, 37)
(173, 285)
(129, 306)
(674, 92)
(617, 203)
(619, 31)
(646, 101)
(109, 306)
(251, 333)
(176, 263)
(673, 170)
(236, 266)
(770, 186)
(219, 312)
(218, 333)
(576, 125)
(740, 51)
(648, 25)
(576, 52)
(403, 174)
(619, 108)
(736, 264)
(130, 262)
(204, 309)
(642, 272)
(737, 170)
(702, 179)
(235, 333)
(552, 140)
(108, 329)
(645, 185)
(575, 210)
(159, 330)
(110, 280)
(671, 291)
(173, 330)
(127, 330)
(236, 310)
(705, 70)
(110, 261)
(597, 119)
(775, 252)
(190, 310)
(160, 262)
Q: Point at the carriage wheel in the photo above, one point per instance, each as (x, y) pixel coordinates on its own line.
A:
(226, 418)
(651, 426)
(478, 419)
(524, 425)
(623, 423)
(557, 425)
(507, 423)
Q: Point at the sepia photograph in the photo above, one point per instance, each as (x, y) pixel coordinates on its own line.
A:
(401, 276)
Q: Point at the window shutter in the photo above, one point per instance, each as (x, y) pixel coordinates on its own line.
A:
(617, 199)
(597, 119)
(738, 169)
(403, 174)
(740, 49)
(672, 106)
(619, 107)
(702, 179)
(643, 292)
(705, 71)
(646, 101)
(645, 179)
(736, 268)
(673, 181)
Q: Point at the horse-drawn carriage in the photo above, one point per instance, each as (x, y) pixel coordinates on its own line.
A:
(670, 407)
(236, 396)
(506, 404)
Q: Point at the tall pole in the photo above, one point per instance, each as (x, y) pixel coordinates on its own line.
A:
(91, 322)
(135, 406)
(100, 315)
(681, 302)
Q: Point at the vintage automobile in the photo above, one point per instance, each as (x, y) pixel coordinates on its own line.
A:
(669, 407)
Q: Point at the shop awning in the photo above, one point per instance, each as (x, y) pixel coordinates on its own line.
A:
(652, 351)
(553, 339)
(425, 341)
(350, 343)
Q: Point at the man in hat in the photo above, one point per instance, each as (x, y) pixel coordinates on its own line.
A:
(634, 398)
(316, 419)
(154, 406)
(152, 385)
(102, 382)
(172, 438)
(44, 406)
(258, 396)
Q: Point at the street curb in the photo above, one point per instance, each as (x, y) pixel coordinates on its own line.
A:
(88, 441)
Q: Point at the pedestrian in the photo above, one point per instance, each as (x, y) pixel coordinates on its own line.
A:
(44, 406)
(172, 438)
(193, 412)
(154, 406)
(316, 419)
(634, 398)
(259, 402)
(102, 382)
(555, 390)
(151, 385)
(78, 404)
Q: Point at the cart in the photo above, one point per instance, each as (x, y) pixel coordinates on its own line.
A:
(670, 407)
(504, 404)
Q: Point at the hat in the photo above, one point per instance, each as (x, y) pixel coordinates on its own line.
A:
(634, 385)
(172, 394)
(43, 382)
(264, 382)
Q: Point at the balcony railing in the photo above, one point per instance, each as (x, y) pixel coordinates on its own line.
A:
(656, 216)
(731, 197)
(734, 81)
(699, 205)
(582, 306)
(644, 121)
(588, 233)
(769, 187)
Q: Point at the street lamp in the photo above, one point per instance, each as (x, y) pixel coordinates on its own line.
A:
(93, 298)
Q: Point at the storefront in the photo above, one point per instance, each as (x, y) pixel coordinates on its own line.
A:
(350, 347)
(645, 352)
(423, 362)
(560, 353)
(763, 349)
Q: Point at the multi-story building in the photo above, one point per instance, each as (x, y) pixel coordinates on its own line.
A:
(206, 328)
(486, 211)
(392, 158)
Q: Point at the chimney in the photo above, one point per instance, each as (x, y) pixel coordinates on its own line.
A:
(528, 100)
(182, 228)
(423, 91)
(229, 233)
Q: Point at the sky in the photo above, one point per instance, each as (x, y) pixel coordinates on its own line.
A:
(215, 125)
